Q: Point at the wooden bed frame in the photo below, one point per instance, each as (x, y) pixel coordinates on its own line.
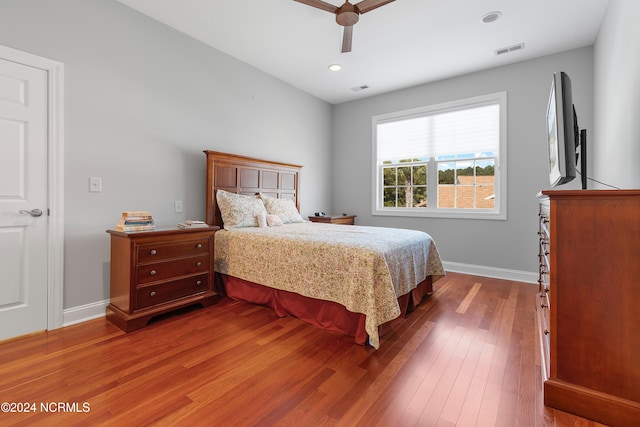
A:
(249, 176)
(246, 175)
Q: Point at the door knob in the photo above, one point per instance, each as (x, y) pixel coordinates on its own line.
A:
(32, 212)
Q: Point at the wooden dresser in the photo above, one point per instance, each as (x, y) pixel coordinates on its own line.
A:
(588, 307)
(154, 272)
(543, 306)
(334, 219)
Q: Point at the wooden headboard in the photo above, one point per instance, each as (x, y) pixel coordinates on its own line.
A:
(246, 175)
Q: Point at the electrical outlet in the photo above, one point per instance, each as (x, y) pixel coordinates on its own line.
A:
(177, 206)
(95, 184)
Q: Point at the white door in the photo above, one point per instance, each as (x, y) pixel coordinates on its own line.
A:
(23, 199)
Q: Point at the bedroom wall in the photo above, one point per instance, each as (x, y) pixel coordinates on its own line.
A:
(141, 103)
(491, 247)
(615, 142)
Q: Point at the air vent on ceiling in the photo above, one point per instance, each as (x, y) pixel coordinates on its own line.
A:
(359, 88)
(508, 49)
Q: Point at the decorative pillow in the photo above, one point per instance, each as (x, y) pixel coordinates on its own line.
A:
(273, 220)
(239, 210)
(284, 208)
(262, 219)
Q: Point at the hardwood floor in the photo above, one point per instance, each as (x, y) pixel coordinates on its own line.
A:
(466, 357)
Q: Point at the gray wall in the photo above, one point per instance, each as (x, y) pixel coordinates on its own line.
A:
(615, 142)
(510, 244)
(141, 103)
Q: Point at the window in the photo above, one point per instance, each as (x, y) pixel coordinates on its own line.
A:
(442, 160)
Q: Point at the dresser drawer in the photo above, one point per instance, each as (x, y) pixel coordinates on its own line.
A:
(543, 267)
(542, 317)
(177, 267)
(147, 296)
(159, 251)
(543, 301)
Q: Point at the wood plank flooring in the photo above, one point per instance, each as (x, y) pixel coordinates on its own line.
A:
(466, 357)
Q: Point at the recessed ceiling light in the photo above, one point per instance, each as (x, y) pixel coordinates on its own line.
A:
(491, 17)
(335, 67)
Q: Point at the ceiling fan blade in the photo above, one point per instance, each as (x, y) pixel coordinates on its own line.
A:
(347, 35)
(319, 4)
(368, 5)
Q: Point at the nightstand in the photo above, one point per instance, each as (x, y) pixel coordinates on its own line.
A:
(154, 272)
(334, 219)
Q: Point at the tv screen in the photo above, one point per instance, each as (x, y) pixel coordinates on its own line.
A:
(562, 131)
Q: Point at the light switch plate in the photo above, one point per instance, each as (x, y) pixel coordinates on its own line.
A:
(95, 184)
(177, 206)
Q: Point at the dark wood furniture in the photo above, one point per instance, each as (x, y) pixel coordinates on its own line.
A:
(334, 219)
(246, 175)
(154, 272)
(588, 304)
(543, 308)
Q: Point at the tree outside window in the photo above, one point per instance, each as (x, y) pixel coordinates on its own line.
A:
(445, 160)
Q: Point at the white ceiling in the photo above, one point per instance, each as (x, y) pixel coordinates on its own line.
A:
(401, 44)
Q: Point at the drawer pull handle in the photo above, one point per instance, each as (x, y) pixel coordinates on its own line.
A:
(153, 272)
(199, 282)
(546, 332)
(198, 264)
(543, 306)
(199, 245)
(153, 294)
(153, 252)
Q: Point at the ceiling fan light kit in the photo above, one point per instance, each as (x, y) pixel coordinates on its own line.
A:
(347, 15)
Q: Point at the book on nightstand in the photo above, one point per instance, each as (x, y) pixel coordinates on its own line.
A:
(190, 223)
(135, 221)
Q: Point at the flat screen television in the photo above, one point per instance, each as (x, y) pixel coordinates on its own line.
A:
(564, 135)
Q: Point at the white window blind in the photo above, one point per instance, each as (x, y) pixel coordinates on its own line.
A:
(469, 130)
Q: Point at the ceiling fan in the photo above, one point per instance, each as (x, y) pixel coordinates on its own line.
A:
(347, 15)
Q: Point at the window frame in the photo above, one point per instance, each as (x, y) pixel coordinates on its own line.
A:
(413, 185)
(499, 212)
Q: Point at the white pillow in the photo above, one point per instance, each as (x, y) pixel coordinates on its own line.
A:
(273, 220)
(238, 210)
(284, 208)
(262, 220)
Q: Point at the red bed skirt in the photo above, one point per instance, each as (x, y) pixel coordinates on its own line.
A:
(323, 314)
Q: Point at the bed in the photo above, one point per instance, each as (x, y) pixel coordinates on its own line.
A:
(356, 280)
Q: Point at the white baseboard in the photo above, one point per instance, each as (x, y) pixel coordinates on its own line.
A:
(494, 272)
(82, 313)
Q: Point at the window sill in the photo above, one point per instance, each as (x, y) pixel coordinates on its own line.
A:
(441, 213)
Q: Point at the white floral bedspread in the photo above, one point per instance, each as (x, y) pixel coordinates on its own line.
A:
(363, 268)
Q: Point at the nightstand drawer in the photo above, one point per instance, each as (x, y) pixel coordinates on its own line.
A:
(147, 296)
(178, 267)
(159, 251)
